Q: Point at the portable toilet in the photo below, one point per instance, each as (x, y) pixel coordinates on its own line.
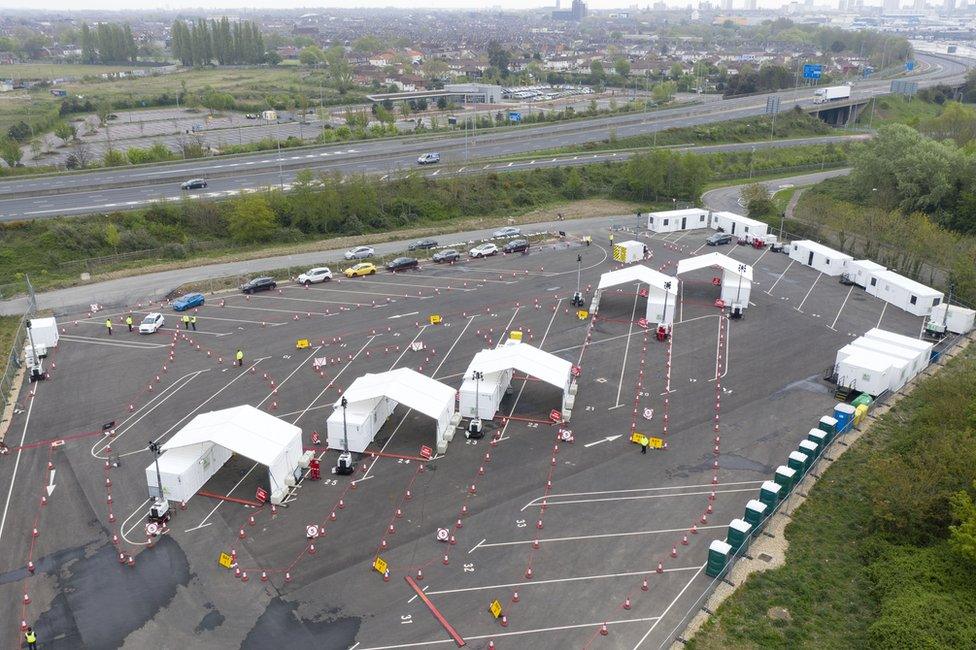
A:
(756, 512)
(810, 449)
(844, 414)
(819, 437)
(828, 425)
(863, 398)
(718, 558)
(738, 533)
(786, 478)
(860, 413)
(769, 493)
(798, 461)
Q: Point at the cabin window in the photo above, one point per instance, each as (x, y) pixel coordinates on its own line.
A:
(874, 282)
(665, 222)
(936, 301)
(913, 300)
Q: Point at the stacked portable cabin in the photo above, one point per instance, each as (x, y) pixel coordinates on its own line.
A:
(904, 293)
(675, 220)
(819, 257)
(880, 361)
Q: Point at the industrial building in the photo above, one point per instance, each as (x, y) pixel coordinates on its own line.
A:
(466, 93)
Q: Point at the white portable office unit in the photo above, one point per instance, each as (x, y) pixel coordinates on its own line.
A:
(904, 293)
(627, 252)
(900, 368)
(957, 320)
(866, 371)
(819, 257)
(184, 470)
(894, 351)
(44, 332)
(675, 220)
(921, 348)
(860, 271)
(738, 225)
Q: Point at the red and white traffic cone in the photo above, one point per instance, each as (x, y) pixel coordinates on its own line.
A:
(603, 630)
(627, 602)
(660, 567)
(644, 586)
(515, 597)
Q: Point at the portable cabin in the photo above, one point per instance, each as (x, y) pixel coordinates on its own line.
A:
(675, 220)
(627, 252)
(738, 225)
(904, 293)
(922, 348)
(819, 257)
(859, 271)
(900, 369)
(866, 371)
(956, 319)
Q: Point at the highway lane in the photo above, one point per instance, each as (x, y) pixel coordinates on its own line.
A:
(128, 198)
(96, 191)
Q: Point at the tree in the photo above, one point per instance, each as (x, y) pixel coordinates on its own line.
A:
(339, 70)
(676, 71)
(757, 200)
(251, 220)
(663, 92)
(10, 152)
(311, 55)
(112, 237)
(622, 67)
(88, 53)
(498, 58)
(597, 73)
(573, 187)
(367, 44)
(65, 131)
(20, 131)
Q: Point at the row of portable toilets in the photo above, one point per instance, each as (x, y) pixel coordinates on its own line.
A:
(772, 493)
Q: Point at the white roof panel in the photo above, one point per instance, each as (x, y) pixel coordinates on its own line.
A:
(739, 218)
(526, 358)
(826, 251)
(906, 283)
(638, 273)
(405, 386)
(724, 262)
(243, 429)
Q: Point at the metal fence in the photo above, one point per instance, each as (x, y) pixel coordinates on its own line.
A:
(816, 468)
(14, 357)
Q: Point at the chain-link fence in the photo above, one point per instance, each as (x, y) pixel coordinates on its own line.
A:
(14, 359)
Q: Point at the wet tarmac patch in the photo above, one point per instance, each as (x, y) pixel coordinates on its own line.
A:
(280, 625)
(211, 621)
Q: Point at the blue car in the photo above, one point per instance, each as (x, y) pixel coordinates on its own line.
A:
(189, 301)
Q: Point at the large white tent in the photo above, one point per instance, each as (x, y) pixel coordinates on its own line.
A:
(736, 276)
(496, 365)
(662, 292)
(370, 400)
(199, 449)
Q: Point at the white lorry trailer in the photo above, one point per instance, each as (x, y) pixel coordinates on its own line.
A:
(831, 94)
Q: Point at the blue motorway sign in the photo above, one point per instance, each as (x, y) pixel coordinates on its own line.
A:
(514, 116)
(812, 70)
(909, 65)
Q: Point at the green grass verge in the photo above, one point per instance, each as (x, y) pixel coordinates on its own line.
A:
(868, 565)
(896, 109)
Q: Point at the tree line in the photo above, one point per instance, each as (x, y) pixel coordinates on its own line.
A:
(202, 42)
(107, 43)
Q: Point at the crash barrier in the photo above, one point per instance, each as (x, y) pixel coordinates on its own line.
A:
(773, 494)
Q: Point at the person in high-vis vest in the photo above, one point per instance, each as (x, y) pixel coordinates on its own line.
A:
(31, 638)
(108, 325)
(128, 322)
(186, 322)
(239, 358)
(193, 322)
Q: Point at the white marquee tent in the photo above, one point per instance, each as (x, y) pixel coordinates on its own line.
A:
(372, 398)
(199, 449)
(736, 276)
(662, 292)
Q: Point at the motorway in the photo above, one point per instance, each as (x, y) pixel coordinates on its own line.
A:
(128, 188)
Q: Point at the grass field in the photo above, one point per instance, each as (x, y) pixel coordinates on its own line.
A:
(53, 71)
(896, 109)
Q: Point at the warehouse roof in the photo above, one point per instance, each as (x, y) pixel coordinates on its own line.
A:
(243, 429)
(528, 359)
(726, 263)
(404, 386)
(639, 273)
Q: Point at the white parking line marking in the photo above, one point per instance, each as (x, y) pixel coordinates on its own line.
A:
(799, 307)
(668, 608)
(525, 584)
(850, 291)
(769, 291)
(633, 490)
(577, 538)
(13, 477)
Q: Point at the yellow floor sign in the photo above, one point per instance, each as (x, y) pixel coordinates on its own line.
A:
(225, 561)
(495, 608)
(380, 565)
(641, 439)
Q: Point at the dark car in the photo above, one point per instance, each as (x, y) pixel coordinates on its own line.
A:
(447, 255)
(719, 239)
(517, 246)
(259, 284)
(423, 244)
(402, 264)
(194, 184)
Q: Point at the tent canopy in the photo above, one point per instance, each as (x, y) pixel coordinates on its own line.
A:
(639, 273)
(525, 358)
(243, 429)
(724, 262)
(404, 386)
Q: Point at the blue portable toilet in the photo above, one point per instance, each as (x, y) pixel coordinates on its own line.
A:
(844, 414)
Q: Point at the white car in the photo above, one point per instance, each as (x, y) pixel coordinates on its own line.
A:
(507, 231)
(313, 276)
(359, 253)
(483, 250)
(151, 323)
(429, 159)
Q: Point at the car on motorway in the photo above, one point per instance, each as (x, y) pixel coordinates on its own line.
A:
(194, 184)
(517, 246)
(431, 158)
(263, 283)
(363, 268)
(250, 116)
(422, 244)
(359, 253)
(446, 255)
(151, 323)
(316, 275)
(719, 238)
(483, 250)
(507, 231)
(402, 264)
(189, 301)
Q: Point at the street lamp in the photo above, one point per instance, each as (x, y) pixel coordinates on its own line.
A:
(157, 450)
(474, 427)
(667, 288)
(578, 296)
(345, 433)
(738, 291)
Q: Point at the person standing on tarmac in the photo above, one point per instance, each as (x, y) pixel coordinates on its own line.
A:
(193, 322)
(186, 322)
(108, 325)
(239, 358)
(128, 322)
(31, 637)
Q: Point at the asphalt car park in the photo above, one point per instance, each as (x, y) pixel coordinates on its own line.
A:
(590, 520)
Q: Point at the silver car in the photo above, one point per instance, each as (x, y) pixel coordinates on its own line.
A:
(359, 253)
(507, 231)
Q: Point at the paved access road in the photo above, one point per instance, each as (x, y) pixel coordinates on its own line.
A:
(126, 188)
(727, 198)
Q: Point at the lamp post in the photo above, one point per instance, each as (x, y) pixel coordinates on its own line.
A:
(345, 434)
(637, 225)
(738, 291)
(157, 450)
(578, 296)
(667, 288)
(474, 428)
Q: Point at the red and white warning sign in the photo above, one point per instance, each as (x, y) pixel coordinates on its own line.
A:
(152, 529)
(575, 371)
(261, 494)
(642, 323)
(318, 362)
(311, 531)
(648, 413)
(426, 452)
(555, 416)
(566, 435)
(443, 534)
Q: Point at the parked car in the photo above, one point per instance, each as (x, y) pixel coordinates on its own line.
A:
(363, 268)
(429, 159)
(517, 246)
(507, 231)
(483, 250)
(313, 276)
(719, 239)
(259, 284)
(423, 244)
(189, 301)
(194, 184)
(151, 323)
(250, 116)
(446, 255)
(402, 264)
(359, 253)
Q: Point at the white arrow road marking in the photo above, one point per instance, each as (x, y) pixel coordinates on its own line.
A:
(607, 439)
(51, 485)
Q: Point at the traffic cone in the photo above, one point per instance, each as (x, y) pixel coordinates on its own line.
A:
(603, 630)
(420, 575)
(287, 576)
(674, 550)
(644, 586)
(528, 573)
(660, 567)
(684, 540)
(386, 576)
(264, 576)
(311, 549)
(244, 576)
(504, 620)
(515, 597)
(237, 572)
(452, 541)
(27, 599)
(694, 529)
(446, 561)
(30, 566)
